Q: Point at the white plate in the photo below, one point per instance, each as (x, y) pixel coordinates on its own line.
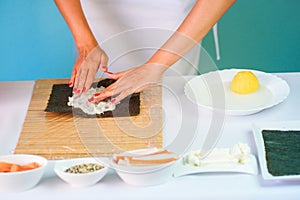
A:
(212, 90)
(257, 129)
(248, 168)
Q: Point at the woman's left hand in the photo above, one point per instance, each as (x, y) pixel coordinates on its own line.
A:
(130, 81)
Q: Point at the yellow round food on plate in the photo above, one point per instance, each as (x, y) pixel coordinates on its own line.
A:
(244, 82)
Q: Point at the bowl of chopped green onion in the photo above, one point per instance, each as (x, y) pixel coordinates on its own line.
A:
(80, 172)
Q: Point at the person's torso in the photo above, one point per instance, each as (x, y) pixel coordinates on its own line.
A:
(130, 31)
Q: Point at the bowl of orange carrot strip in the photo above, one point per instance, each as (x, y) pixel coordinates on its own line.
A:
(20, 172)
(145, 167)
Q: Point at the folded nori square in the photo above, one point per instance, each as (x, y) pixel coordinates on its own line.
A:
(130, 106)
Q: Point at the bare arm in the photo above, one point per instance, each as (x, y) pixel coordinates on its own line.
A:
(72, 13)
(91, 56)
(199, 21)
(196, 25)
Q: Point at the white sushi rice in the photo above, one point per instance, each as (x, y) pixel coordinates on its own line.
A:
(81, 101)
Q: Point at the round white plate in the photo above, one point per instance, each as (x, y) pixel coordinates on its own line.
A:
(212, 90)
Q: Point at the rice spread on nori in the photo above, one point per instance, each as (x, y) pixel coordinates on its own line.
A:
(130, 106)
(282, 151)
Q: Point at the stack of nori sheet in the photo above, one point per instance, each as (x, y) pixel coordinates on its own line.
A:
(282, 151)
(130, 106)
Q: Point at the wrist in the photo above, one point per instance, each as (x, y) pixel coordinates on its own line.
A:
(84, 48)
(164, 59)
(157, 68)
(87, 44)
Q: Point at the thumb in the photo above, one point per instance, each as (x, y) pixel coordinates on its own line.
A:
(103, 63)
(115, 76)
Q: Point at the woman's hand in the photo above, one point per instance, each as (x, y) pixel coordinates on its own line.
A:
(130, 81)
(91, 56)
(86, 66)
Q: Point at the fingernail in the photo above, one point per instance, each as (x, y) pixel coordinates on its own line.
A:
(74, 90)
(78, 91)
(91, 99)
(109, 72)
(98, 94)
(84, 89)
(70, 84)
(113, 100)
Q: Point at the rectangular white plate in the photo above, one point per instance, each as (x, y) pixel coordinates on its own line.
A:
(275, 125)
(247, 168)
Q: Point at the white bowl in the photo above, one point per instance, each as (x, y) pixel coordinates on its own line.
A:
(24, 180)
(79, 180)
(144, 175)
(147, 176)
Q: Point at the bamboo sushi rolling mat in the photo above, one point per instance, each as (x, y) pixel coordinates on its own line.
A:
(62, 136)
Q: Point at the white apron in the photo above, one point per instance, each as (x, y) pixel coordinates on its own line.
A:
(130, 31)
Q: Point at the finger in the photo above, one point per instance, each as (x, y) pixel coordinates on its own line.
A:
(115, 76)
(111, 75)
(75, 86)
(104, 94)
(117, 87)
(103, 63)
(91, 73)
(122, 96)
(101, 96)
(80, 80)
(72, 80)
(107, 92)
(89, 80)
(74, 72)
(103, 68)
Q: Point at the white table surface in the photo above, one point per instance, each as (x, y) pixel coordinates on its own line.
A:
(181, 117)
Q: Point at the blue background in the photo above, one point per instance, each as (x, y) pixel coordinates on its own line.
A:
(261, 34)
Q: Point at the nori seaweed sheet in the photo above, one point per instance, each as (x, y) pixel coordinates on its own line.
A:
(282, 152)
(130, 106)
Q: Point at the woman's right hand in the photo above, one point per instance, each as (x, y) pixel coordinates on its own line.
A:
(88, 62)
(91, 57)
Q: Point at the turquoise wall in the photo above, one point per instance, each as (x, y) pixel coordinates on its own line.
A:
(261, 34)
(35, 41)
